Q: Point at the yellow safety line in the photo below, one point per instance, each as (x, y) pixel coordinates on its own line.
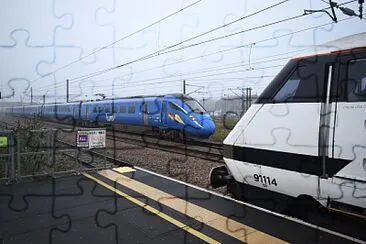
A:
(124, 169)
(154, 211)
(221, 223)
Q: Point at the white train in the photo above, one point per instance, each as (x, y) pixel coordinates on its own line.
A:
(305, 137)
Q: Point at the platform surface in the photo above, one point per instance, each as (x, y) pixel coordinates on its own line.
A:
(125, 205)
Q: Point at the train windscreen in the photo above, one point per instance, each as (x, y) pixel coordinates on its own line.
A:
(194, 106)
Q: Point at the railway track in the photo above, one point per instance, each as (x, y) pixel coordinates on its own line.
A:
(201, 152)
(97, 161)
(190, 147)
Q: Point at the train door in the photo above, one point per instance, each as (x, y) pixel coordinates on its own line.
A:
(163, 113)
(145, 113)
(87, 111)
(349, 139)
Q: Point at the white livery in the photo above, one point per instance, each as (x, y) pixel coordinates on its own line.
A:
(306, 134)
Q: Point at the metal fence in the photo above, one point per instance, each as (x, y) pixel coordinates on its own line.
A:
(7, 156)
(42, 153)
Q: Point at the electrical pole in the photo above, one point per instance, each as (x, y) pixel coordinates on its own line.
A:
(44, 98)
(31, 91)
(184, 86)
(250, 97)
(67, 91)
(245, 98)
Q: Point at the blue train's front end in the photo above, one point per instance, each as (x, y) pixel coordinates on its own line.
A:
(202, 126)
(194, 119)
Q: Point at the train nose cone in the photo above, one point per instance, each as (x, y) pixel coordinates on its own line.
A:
(201, 126)
(208, 126)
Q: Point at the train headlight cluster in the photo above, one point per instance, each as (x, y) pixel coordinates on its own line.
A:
(194, 120)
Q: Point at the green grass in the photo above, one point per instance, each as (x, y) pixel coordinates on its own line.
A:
(223, 128)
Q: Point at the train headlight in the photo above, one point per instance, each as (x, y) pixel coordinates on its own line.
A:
(194, 120)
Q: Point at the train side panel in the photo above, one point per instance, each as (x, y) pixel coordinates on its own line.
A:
(306, 133)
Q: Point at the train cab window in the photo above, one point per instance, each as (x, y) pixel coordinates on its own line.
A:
(288, 90)
(131, 110)
(356, 82)
(175, 107)
(195, 106)
(302, 86)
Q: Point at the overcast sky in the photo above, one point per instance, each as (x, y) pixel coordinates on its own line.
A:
(43, 43)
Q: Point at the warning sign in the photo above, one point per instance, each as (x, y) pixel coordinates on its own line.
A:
(97, 138)
(91, 138)
(82, 139)
(3, 141)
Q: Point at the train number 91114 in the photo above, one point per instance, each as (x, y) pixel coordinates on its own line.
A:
(265, 180)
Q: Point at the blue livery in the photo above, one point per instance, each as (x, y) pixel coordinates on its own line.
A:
(176, 112)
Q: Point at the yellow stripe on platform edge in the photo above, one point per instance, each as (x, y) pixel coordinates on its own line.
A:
(124, 169)
(153, 210)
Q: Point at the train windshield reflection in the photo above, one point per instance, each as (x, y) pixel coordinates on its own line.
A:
(194, 106)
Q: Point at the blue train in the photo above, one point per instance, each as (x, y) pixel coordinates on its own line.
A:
(175, 112)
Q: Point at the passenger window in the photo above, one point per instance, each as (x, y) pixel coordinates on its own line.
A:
(356, 82)
(123, 109)
(131, 110)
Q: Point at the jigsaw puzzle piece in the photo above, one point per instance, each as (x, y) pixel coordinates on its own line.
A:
(79, 84)
(85, 32)
(28, 212)
(30, 16)
(19, 64)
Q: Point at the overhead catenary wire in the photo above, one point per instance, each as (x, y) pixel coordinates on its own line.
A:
(229, 49)
(159, 52)
(202, 76)
(318, 26)
(166, 51)
(123, 38)
(195, 77)
(161, 85)
(237, 65)
(257, 61)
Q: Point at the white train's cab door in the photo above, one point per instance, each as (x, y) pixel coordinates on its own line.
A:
(349, 138)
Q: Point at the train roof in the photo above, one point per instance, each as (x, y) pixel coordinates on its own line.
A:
(345, 43)
(177, 95)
